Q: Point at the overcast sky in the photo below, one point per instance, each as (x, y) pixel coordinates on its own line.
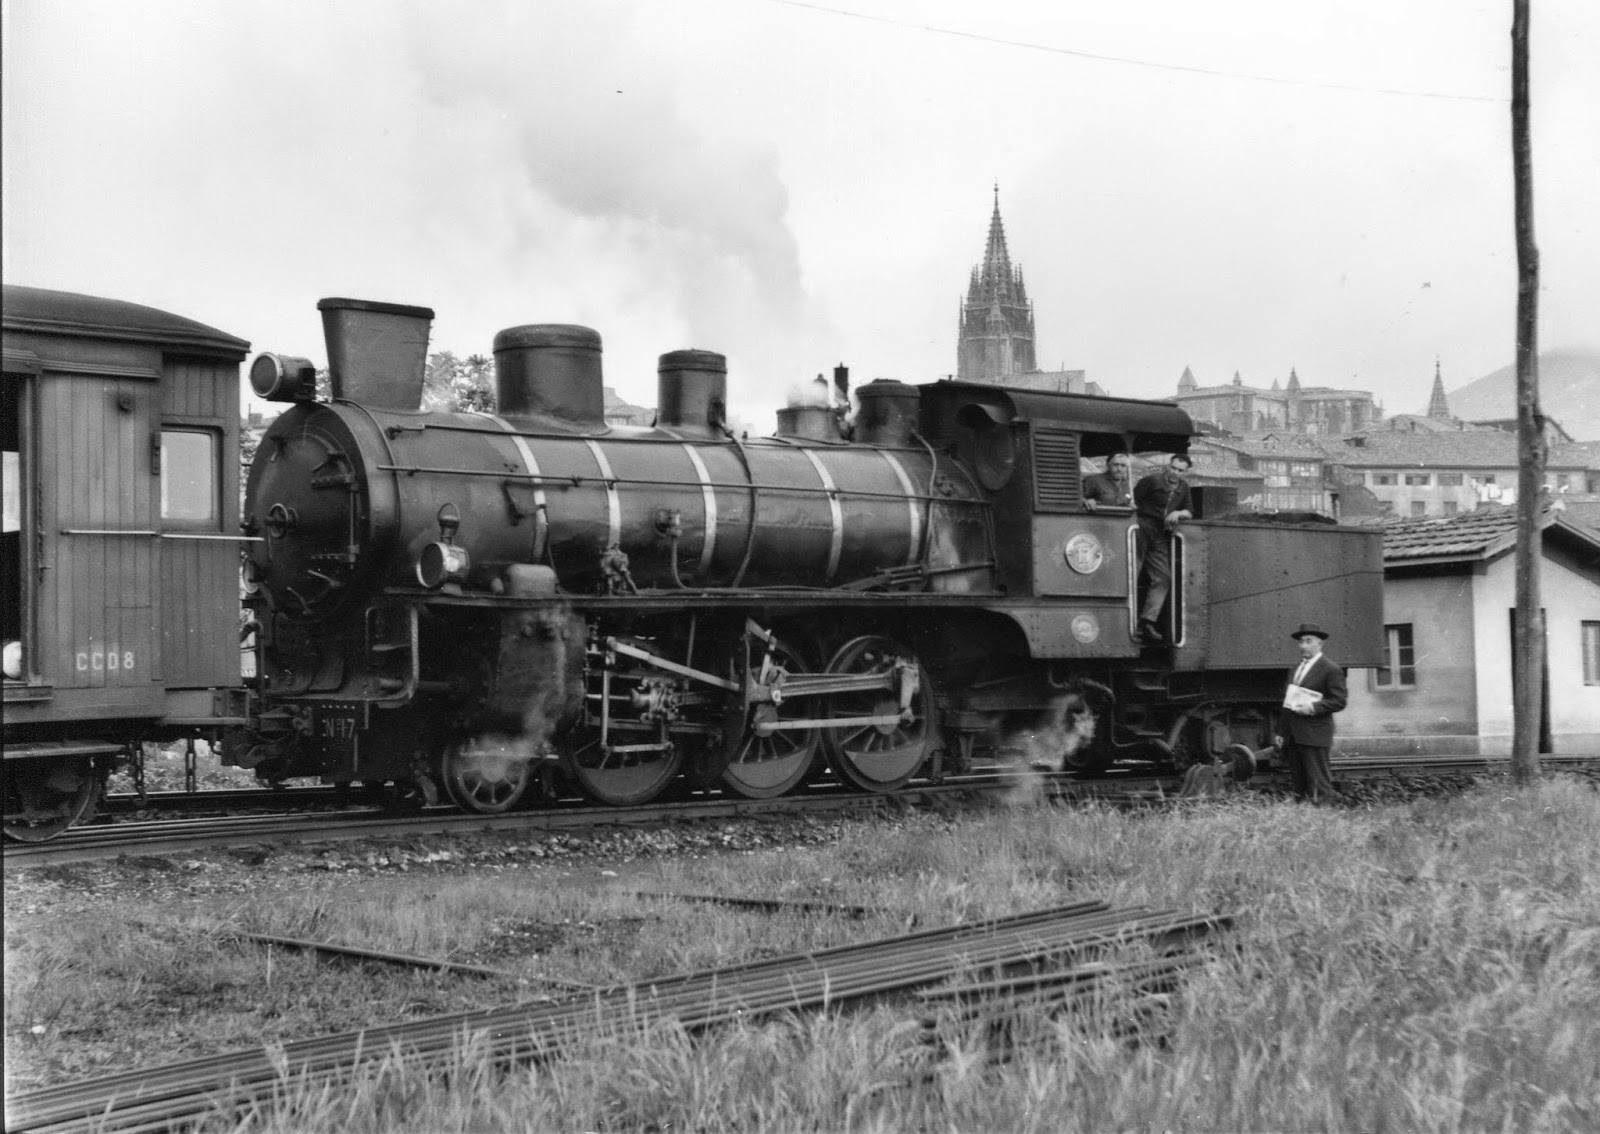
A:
(1233, 185)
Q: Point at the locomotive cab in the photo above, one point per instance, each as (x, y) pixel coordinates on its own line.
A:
(1027, 450)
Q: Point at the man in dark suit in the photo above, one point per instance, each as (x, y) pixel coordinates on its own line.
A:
(1315, 691)
(1112, 487)
(1161, 502)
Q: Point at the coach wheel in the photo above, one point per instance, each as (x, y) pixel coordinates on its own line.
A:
(488, 778)
(881, 756)
(619, 778)
(45, 797)
(762, 767)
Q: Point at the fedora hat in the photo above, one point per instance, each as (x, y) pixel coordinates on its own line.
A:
(1309, 628)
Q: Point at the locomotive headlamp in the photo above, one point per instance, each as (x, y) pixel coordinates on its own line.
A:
(282, 378)
(441, 563)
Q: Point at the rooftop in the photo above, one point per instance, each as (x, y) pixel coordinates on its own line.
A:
(1475, 535)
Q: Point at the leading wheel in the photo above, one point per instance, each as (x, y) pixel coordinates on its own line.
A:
(880, 756)
(489, 777)
(45, 797)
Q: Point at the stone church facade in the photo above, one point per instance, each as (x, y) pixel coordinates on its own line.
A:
(1293, 408)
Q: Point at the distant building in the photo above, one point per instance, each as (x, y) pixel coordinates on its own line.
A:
(1316, 410)
(1449, 597)
(1291, 472)
(619, 412)
(995, 340)
(1450, 472)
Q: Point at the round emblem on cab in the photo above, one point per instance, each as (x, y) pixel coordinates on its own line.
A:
(1083, 553)
(1085, 627)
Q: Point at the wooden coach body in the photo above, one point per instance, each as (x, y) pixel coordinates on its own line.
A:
(121, 556)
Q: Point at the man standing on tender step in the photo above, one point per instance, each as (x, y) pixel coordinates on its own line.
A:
(1316, 691)
(1162, 502)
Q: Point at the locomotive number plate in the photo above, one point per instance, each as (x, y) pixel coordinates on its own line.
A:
(338, 724)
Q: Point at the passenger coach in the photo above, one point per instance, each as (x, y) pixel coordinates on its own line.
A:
(121, 543)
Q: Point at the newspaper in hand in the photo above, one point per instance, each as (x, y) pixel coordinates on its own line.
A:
(1298, 699)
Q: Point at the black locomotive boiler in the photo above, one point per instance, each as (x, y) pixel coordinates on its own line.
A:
(482, 603)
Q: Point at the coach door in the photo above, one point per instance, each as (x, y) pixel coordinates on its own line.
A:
(199, 520)
(98, 463)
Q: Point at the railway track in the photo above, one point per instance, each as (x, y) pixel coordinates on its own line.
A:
(1126, 785)
(169, 836)
(1039, 960)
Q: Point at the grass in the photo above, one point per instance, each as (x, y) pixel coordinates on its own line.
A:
(1433, 966)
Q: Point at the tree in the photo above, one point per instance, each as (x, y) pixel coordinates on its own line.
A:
(454, 384)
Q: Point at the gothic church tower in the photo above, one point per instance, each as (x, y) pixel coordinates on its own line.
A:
(996, 330)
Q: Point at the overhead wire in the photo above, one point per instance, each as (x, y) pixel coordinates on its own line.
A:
(1130, 61)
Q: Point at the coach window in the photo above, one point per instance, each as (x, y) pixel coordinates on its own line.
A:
(189, 483)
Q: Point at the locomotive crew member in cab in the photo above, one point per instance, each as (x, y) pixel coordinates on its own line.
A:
(1162, 502)
(1113, 487)
(1316, 690)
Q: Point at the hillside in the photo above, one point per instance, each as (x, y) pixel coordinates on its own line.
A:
(1569, 391)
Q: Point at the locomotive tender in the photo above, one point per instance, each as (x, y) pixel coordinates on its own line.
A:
(480, 603)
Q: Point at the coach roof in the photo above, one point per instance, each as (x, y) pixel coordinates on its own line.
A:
(42, 311)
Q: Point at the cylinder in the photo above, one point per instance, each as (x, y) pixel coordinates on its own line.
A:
(888, 414)
(550, 370)
(377, 352)
(692, 391)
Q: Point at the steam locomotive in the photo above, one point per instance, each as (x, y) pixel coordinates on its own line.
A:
(490, 605)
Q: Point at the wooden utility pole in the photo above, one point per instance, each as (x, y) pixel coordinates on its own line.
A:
(1528, 672)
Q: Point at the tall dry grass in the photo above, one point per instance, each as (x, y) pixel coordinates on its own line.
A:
(1426, 967)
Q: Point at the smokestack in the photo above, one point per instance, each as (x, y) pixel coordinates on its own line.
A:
(841, 383)
(377, 352)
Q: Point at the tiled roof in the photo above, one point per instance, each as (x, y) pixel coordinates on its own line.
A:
(1288, 448)
(1579, 454)
(1476, 450)
(1475, 535)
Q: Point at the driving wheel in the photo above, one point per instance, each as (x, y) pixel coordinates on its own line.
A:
(883, 755)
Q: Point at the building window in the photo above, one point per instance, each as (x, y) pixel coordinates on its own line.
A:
(1563, 482)
(1486, 478)
(1449, 480)
(1419, 507)
(1419, 478)
(1400, 672)
(1591, 653)
(1383, 478)
(1303, 468)
(1451, 508)
(189, 488)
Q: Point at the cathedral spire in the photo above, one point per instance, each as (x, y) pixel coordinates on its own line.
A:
(1438, 407)
(996, 273)
(996, 331)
